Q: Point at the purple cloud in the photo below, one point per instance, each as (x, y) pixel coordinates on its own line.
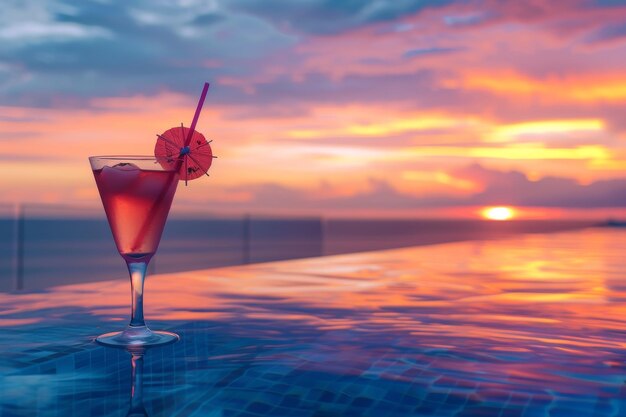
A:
(62, 53)
(515, 188)
(500, 188)
(608, 33)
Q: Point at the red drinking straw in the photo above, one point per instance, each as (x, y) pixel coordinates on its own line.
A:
(196, 116)
(156, 204)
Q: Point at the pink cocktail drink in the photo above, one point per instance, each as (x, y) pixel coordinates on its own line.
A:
(137, 202)
(136, 192)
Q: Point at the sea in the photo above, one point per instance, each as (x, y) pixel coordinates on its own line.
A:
(41, 252)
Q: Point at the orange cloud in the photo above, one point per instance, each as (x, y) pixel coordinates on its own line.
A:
(442, 178)
(585, 89)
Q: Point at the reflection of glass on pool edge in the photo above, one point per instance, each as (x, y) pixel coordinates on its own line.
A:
(136, 407)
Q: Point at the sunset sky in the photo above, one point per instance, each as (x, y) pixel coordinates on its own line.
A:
(384, 108)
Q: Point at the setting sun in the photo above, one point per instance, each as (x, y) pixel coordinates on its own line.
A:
(498, 213)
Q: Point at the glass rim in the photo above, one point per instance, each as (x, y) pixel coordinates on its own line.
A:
(127, 157)
(143, 162)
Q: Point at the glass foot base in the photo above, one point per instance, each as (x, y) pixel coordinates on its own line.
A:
(137, 337)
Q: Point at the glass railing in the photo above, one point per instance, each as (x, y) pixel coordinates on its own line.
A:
(53, 245)
(43, 246)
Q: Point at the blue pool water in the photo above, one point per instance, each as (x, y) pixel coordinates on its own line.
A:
(533, 325)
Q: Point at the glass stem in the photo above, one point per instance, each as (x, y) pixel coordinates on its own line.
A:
(137, 277)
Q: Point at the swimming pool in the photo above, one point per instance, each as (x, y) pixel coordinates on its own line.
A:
(533, 325)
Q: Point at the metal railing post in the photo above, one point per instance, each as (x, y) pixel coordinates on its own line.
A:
(323, 232)
(152, 269)
(18, 247)
(246, 240)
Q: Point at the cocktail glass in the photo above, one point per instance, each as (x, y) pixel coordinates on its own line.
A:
(136, 193)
